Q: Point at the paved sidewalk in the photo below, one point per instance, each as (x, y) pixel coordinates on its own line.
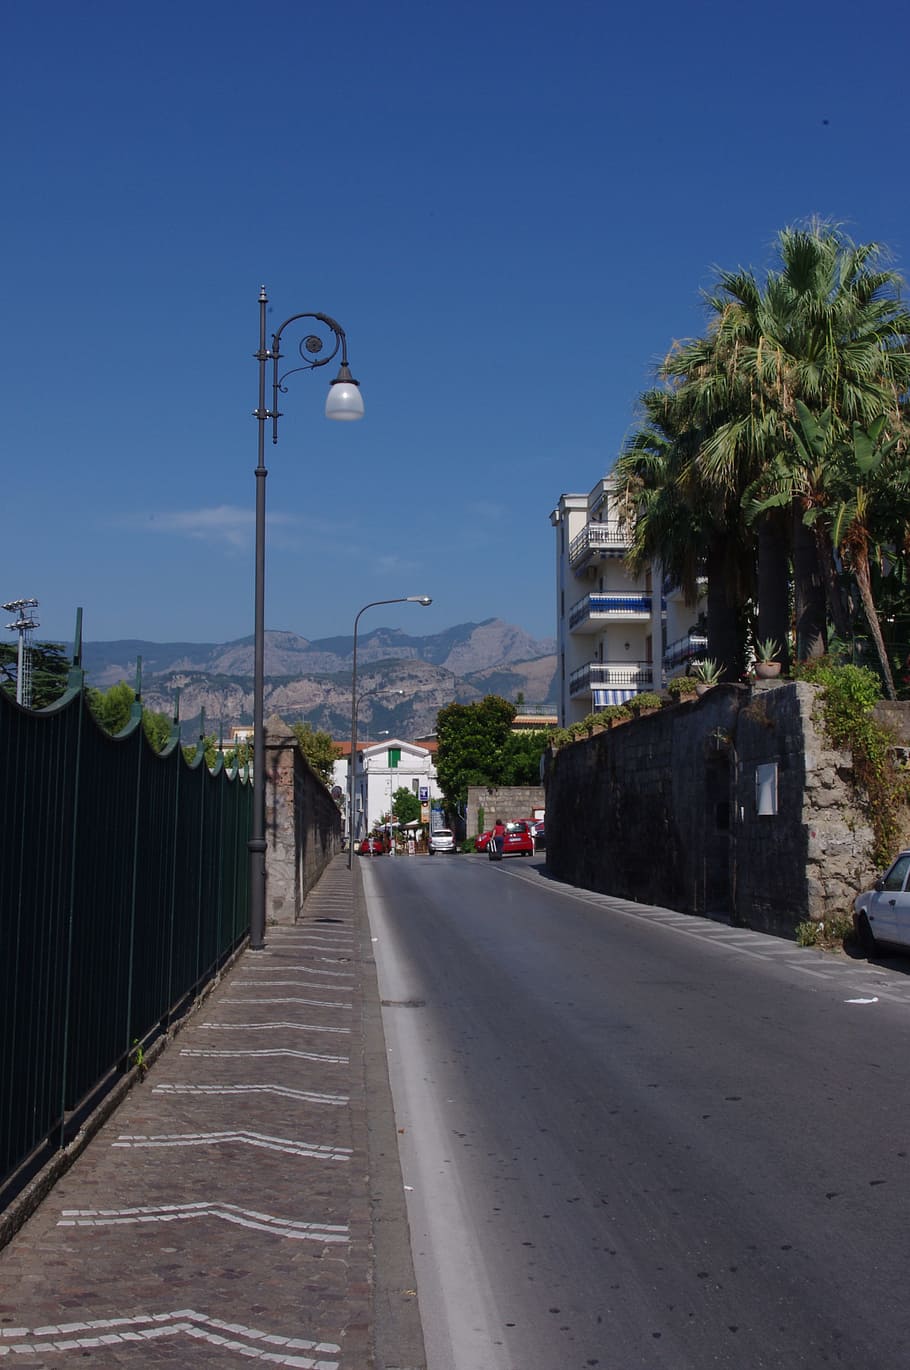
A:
(231, 1209)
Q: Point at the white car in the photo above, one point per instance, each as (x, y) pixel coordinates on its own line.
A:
(443, 839)
(882, 914)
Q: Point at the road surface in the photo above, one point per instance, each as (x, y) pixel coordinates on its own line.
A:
(635, 1139)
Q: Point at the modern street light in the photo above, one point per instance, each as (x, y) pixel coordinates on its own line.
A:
(402, 599)
(344, 401)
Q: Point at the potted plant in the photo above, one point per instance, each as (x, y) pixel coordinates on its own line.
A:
(707, 674)
(767, 665)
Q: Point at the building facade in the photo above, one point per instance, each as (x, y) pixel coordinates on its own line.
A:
(617, 634)
(381, 769)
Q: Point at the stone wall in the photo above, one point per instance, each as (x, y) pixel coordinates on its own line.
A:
(507, 802)
(665, 809)
(302, 825)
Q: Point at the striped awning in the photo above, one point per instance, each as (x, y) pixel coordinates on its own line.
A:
(604, 697)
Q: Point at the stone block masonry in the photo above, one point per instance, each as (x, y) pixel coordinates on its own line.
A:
(302, 824)
(732, 805)
(507, 802)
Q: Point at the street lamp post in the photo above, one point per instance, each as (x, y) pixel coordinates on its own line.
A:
(344, 401)
(402, 599)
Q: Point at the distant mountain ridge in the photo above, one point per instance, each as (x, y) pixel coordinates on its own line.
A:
(465, 648)
(404, 679)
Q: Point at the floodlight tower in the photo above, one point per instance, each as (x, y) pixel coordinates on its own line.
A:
(25, 624)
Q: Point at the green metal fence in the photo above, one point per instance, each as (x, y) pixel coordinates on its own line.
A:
(123, 888)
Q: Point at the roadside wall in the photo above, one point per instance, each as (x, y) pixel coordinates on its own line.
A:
(302, 825)
(668, 809)
(507, 802)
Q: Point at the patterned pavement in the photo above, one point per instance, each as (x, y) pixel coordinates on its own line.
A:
(222, 1215)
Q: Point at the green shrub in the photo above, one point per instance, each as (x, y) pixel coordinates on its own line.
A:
(612, 711)
(681, 685)
(847, 696)
(646, 700)
(829, 933)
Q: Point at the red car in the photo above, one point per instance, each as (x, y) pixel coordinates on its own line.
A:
(517, 839)
(372, 846)
(482, 841)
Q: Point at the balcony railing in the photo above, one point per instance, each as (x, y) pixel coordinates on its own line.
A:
(611, 675)
(607, 538)
(613, 606)
(683, 650)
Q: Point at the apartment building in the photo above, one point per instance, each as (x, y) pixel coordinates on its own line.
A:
(381, 769)
(617, 635)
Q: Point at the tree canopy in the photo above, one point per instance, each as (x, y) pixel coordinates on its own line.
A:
(50, 666)
(477, 747)
(319, 748)
(721, 475)
(405, 805)
(112, 709)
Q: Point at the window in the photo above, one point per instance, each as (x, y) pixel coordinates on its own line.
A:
(896, 876)
(766, 789)
(394, 757)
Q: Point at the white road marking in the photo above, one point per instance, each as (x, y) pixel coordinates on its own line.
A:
(296, 984)
(308, 1096)
(251, 1342)
(314, 1150)
(268, 1027)
(232, 1213)
(310, 1003)
(278, 1051)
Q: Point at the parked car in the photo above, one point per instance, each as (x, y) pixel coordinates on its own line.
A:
(443, 839)
(881, 915)
(372, 846)
(540, 836)
(482, 841)
(517, 839)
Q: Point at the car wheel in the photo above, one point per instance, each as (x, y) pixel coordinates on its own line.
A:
(867, 937)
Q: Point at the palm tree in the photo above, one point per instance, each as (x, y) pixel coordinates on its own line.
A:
(829, 329)
(687, 530)
(864, 484)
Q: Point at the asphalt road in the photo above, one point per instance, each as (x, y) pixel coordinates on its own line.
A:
(632, 1139)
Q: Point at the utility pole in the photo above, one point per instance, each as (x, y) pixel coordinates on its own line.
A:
(25, 624)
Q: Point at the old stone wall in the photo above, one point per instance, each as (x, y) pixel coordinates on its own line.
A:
(668, 809)
(302, 825)
(507, 802)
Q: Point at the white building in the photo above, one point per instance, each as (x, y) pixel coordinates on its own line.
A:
(382, 768)
(617, 635)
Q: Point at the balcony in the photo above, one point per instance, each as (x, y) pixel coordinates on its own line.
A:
(684, 650)
(590, 614)
(596, 541)
(616, 678)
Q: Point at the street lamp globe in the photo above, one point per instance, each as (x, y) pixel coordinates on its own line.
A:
(344, 400)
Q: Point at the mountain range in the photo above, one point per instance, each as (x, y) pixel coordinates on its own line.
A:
(402, 680)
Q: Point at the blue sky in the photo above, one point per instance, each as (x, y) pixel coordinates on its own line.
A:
(510, 208)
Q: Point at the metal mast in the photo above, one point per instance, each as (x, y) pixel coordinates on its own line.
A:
(25, 624)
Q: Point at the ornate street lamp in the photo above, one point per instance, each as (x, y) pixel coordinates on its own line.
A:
(402, 599)
(344, 402)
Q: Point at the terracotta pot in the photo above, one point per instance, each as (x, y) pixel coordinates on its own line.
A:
(702, 689)
(767, 670)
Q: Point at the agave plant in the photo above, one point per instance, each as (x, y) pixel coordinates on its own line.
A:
(707, 672)
(769, 650)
